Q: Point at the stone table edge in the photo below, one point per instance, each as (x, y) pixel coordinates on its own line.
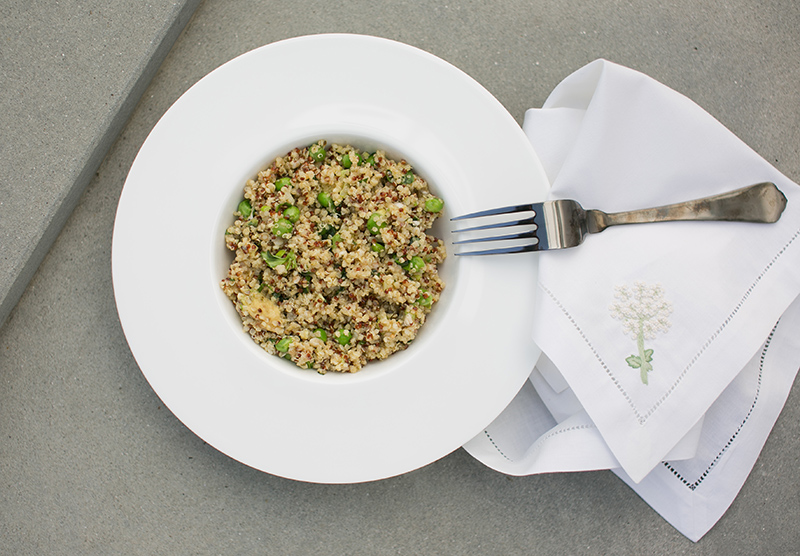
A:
(119, 115)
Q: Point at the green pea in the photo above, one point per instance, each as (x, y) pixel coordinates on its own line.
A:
(346, 162)
(425, 299)
(375, 223)
(408, 178)
(343, 337)
(282, 227)
(377, 247)
(321, 334)
(283, 345)
(281, 183)
(317, 152)
(324, 199)
(245, 208)
(292, 214)
(416, 264)
(434, 204)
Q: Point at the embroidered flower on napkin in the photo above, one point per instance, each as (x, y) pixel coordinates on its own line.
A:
(644, 313)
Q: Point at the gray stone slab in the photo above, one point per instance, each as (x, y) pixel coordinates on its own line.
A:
(70, 75)
(92, 463)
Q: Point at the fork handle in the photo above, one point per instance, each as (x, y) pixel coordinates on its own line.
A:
(762, 202)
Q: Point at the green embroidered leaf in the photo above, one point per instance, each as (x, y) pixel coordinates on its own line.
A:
(648, 355)
(634, 361)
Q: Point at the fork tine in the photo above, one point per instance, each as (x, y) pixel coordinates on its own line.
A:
(492, 212)
(521, 235)
(503, 250)
(520, 222)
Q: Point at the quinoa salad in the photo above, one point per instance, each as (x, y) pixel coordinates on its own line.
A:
(333, 267)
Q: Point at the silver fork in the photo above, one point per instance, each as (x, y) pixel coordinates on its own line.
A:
(564, 223)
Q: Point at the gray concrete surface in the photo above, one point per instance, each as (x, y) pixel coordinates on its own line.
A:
(92, 463)
(71, 73)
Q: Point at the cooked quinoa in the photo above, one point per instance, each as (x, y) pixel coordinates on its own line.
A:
(333, 265)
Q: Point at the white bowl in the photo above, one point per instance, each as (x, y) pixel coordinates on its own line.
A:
(471, 356)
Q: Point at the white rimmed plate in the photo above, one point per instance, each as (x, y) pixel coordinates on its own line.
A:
(474, 352)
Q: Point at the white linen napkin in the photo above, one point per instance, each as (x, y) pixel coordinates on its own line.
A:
(652, 334)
